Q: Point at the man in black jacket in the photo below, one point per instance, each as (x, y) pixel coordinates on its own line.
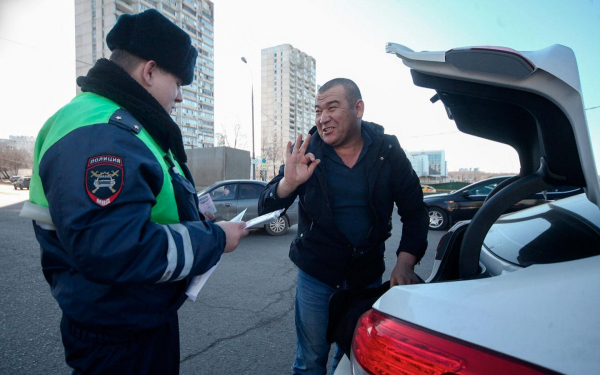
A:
(348, 175)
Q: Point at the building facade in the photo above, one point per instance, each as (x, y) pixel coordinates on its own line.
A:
(19, 142)
(429, 163)
(288, 88)
(195, 116)
(420, 164)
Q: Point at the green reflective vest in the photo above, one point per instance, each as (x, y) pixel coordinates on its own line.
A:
(88, 109)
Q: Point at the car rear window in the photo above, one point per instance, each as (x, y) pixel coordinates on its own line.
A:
(546, 234)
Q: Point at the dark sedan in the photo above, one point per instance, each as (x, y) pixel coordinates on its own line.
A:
(231, 197)
(464, 203)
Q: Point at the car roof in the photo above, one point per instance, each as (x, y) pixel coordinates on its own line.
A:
(531, 101)
(226, 182)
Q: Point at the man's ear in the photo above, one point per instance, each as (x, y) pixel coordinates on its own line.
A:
(359, 107)
(149, 71)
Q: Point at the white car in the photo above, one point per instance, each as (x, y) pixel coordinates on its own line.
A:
(518, 294)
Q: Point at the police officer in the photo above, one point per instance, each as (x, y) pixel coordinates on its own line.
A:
(115, 208)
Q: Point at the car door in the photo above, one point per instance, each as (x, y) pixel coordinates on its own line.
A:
(226, 204)
(248, 199)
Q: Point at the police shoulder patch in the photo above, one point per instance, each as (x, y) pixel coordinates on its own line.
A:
(104, 178)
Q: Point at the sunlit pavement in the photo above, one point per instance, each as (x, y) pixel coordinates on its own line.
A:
(9, 196)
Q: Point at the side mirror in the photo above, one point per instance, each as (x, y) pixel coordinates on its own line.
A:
(465, 193)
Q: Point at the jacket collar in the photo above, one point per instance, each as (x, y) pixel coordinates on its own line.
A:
(109, 80)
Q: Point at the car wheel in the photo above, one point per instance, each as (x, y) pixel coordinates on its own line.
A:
(278, 227)
(15, 187)
(438, 219)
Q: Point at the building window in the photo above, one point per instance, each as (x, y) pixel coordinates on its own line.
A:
(169, 10)
(189, 28)
(189, 102)
(190, 10)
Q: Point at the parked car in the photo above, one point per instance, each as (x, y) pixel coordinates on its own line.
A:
(428, 189)
(463, 204)
(518, 295)
(231, 197)
(22, 182)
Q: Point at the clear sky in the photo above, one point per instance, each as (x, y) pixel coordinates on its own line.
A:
(346, 37)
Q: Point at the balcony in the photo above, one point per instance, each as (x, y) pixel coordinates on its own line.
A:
(126, 6)
(207, 15)
(190, 2)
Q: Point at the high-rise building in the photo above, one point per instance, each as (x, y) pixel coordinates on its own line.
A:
(428, 163)
(288, 85)
(195, 116)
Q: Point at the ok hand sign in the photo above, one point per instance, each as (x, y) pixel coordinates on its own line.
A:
(299, 166)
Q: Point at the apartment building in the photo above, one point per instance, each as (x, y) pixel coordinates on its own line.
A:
(195, 116)
(288, 87)
(429, 163)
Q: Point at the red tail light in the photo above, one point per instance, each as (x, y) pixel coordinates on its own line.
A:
(442, 245)
(385, 345)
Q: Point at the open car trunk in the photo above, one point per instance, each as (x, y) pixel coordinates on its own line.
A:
(530, 101)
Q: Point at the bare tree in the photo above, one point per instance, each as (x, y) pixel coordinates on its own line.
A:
(12, 159)
(231, 137)
(275, 153)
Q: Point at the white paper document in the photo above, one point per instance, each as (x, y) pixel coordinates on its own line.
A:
(198, 282)
(238, 217)
(205, 204)
(264, 219)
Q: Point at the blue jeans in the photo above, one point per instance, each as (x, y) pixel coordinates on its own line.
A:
(312, 315)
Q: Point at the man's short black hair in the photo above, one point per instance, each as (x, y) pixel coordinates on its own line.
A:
(127, 61)
(350, 88)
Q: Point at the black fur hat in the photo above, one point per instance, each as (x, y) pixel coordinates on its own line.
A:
(152, 36)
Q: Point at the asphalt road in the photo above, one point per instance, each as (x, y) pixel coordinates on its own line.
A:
(242, 322)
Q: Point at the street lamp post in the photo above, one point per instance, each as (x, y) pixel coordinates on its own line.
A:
(252, 85)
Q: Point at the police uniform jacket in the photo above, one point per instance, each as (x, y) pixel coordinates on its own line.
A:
(116, 217)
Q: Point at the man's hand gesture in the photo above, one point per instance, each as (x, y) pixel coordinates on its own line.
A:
(299, 166)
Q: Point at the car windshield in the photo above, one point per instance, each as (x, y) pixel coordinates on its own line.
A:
(206, 189)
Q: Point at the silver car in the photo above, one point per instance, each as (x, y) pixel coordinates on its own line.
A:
(231, 197)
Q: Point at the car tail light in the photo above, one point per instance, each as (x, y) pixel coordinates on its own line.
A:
(385, 345)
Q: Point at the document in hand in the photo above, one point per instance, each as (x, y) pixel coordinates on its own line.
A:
(198, 282)
(205, 204)
(264, 219)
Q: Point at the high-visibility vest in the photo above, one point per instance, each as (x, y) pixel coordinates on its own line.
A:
(91, 109)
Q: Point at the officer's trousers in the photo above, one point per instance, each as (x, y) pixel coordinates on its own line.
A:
(89, 350)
